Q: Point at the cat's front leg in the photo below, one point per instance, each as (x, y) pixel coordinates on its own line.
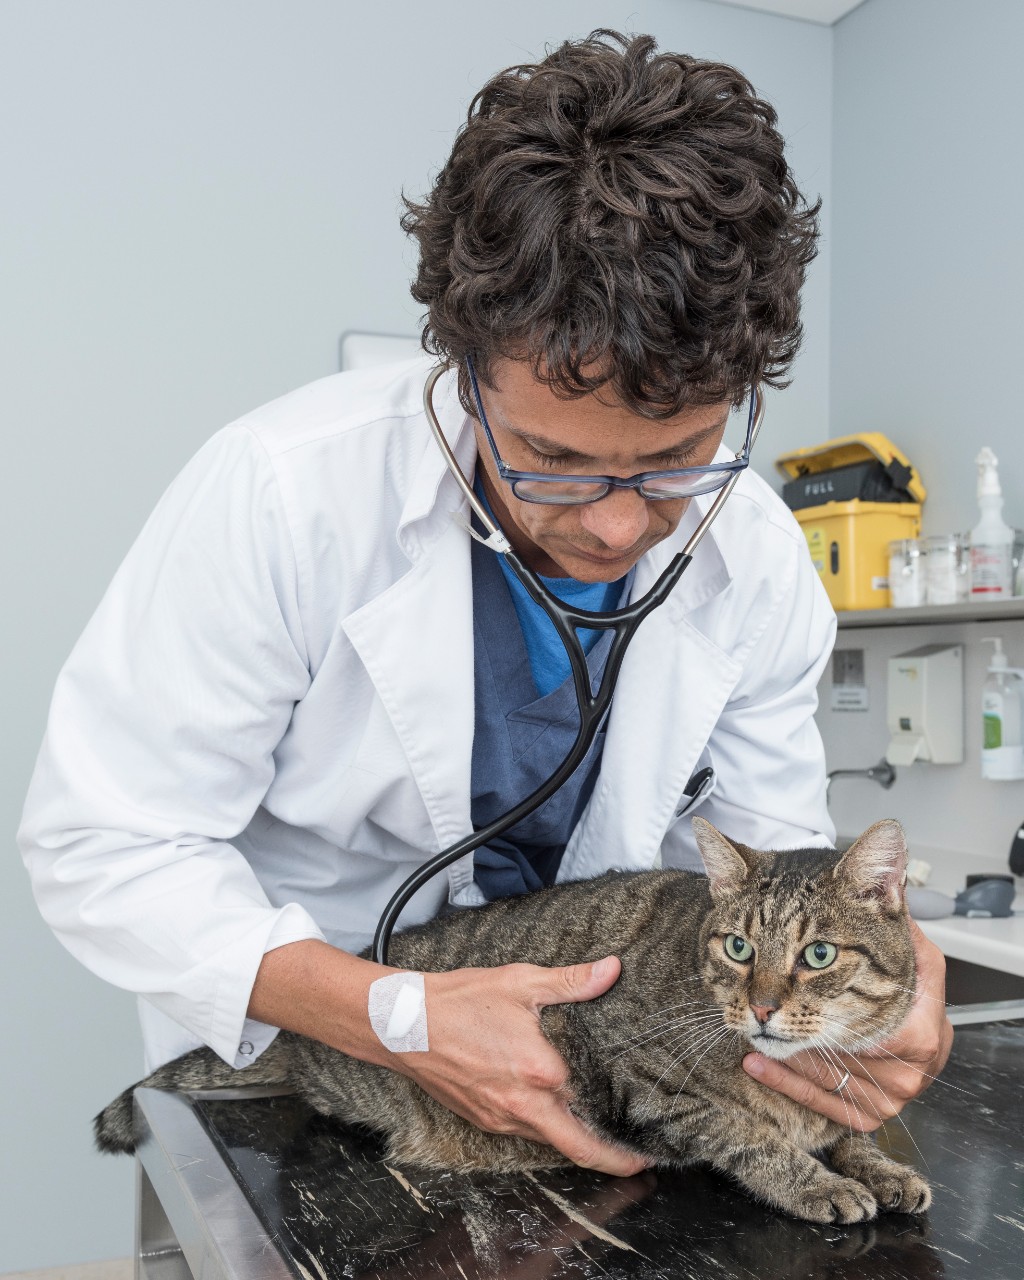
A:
(775, 1171)
(894, 1186)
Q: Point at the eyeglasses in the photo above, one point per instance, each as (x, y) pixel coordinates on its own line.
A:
(569, 490)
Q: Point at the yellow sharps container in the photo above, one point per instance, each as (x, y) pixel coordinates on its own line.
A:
(852, 497)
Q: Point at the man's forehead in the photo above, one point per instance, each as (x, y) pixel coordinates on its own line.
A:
(528, 405)
(588, 430)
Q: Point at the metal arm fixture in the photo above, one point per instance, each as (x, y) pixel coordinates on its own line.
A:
(883, 773)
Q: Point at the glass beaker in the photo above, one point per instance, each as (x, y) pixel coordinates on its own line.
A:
(947, 568)
(906, 573)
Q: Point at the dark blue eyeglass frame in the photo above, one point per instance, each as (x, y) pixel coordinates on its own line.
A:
(707, 479)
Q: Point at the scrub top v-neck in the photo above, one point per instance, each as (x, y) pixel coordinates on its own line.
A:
(521, 736)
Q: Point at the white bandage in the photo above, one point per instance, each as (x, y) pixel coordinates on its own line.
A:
(398, 1012)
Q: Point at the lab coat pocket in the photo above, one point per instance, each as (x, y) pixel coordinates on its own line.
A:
(699, 787)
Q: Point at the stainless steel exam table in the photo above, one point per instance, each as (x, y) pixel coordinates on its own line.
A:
(258, 1187)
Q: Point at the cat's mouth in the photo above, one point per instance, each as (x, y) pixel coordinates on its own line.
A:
(772, 1045)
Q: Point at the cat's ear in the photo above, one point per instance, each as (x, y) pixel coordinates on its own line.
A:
(722, 860)
(875, 865)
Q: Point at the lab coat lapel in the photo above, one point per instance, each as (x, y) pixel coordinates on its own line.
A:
(672, 687)
(416, 638)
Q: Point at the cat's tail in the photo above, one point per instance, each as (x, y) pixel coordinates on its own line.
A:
(200, 1069)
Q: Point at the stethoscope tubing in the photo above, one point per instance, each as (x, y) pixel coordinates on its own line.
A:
(593, 705)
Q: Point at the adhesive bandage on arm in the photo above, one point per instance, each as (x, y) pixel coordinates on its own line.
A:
(398, 1012)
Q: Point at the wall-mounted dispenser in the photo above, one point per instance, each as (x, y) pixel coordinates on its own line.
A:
(1002, 702)
(926, 705)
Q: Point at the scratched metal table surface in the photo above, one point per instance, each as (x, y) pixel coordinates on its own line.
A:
(333, 1208)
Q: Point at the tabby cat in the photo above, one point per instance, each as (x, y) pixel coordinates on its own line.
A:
(779, 952)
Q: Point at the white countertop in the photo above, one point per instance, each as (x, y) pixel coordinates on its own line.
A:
(997, 944)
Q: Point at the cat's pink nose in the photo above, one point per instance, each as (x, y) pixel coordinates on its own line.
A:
(762, 1012)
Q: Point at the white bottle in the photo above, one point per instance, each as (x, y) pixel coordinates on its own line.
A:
(991, 538)
(1002, 706)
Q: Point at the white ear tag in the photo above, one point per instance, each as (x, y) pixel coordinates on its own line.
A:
(398, 1012)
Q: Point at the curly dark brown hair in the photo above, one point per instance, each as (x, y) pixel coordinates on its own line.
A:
(618, 216)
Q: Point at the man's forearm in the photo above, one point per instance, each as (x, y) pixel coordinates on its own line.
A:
(489, 1061)
(321, 992)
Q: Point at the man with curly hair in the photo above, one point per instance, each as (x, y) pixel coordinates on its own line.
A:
(306, 678)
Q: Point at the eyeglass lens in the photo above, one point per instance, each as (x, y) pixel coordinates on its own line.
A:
(569, 492)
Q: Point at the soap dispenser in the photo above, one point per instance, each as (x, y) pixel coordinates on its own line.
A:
(1002, 701)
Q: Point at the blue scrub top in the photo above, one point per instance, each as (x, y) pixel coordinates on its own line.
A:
(526, 723)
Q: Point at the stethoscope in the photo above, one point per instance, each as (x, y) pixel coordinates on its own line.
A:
(593, 706)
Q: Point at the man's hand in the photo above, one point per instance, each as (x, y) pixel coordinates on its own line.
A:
(488, 1059)
(490, 1062)
(882, 1080)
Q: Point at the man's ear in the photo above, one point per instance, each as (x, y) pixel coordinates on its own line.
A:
(723, 862)
(875, 865)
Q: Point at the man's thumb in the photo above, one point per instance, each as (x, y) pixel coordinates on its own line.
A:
(577, 982)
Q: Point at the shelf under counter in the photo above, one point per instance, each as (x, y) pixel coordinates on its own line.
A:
(933, 614)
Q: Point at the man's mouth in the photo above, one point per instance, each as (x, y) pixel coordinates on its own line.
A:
(604, 558)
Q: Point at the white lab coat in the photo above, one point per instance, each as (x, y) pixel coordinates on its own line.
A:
(268, 722)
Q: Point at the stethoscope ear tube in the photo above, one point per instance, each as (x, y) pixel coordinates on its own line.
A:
(593, 706)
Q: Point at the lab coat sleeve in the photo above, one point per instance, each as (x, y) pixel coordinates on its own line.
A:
(766, 750)
(160, 746)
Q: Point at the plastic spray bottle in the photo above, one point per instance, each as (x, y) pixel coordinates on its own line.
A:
(1002, 704)
(991, 538)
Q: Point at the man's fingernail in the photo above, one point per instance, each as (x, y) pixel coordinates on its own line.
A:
(754, 1064)
(600, 968)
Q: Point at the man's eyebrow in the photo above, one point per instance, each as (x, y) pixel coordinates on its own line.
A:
(551, 447)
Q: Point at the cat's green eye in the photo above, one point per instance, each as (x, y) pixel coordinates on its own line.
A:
(737, 948)
(819, 955)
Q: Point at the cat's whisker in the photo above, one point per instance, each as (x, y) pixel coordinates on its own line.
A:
(724, 1032)
(689, 1036)
(680, 982)
(865, 1101)
(935, 1079)
(897, 1116)
(693, 1026)
(648, 1033)
(873, 1046)
(833, 1064)
(708, 1046)
(652, 1033)
(924, 995)
(676, 1056)
(702, 1037)
(683, 1004)
(650, 1041)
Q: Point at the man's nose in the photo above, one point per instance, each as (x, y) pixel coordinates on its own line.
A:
(620, 519)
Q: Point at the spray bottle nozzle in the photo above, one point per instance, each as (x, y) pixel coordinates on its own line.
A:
(988, 475)
(999, 660)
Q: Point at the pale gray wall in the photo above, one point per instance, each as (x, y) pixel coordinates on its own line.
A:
(198, 200)
(927, 274)
(927, 262)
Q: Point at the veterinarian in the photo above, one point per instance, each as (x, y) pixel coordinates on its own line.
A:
(306, 677)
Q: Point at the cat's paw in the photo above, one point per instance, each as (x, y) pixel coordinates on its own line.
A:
(897, 1188)
(834, 1199)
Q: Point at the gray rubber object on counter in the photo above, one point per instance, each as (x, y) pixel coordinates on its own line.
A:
(929, 904)
(986, 898)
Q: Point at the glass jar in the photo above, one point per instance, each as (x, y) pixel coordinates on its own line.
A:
(947, 568)
(906, 573)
